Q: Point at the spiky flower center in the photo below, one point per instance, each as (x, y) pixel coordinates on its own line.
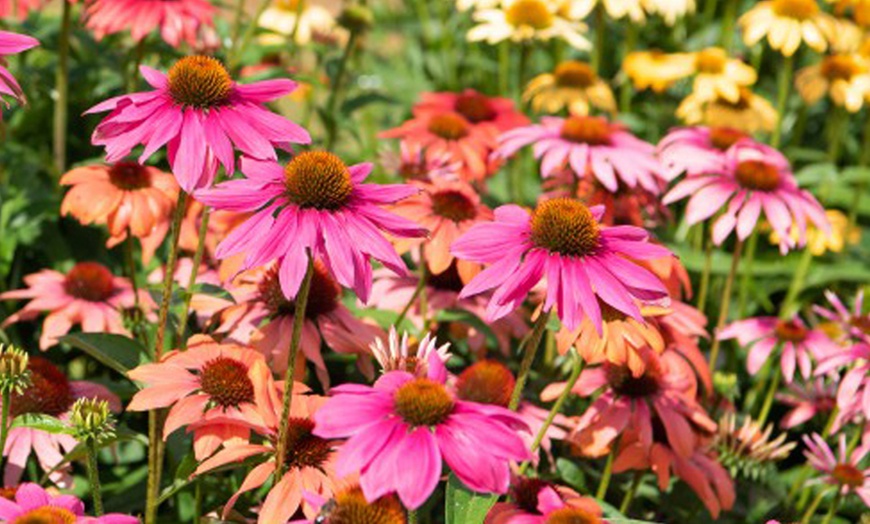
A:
(566, 227)
(571, 516)
(323, 298)
(423, 402)
(626, 384)
(199, 81)
(757, 175)
(226, 381)
(47, 515)
(848, 475)
(861, 323)
(304, 449)
(722, 138)
(574, 74)
(475, 107)
(486, 382)
(8, 493)
(711, 60)
(318, 180)
(590, 130)
(529, 13)
(840, 67)
(797, 9)
(449, 126)
(90, 281)
(524, 492)
(49, 392)
(350, 507)
(448, 280)
(129, 176)
(453, 205)
(790, 331)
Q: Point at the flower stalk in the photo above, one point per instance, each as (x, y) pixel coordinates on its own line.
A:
(726, 303)
(61, 105)
(529, 348)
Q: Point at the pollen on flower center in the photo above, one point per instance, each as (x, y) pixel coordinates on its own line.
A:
(574, 74)
(531, 13)
(711, 60)
(486, 382)
(453, 205)
(840, 67)
(199, 81)
(423, 402)
(624, 383)
(758, 175)
(565, 226)
(89, 281)
(790, 331)
(797, 9)
(49, 392)
(350, 507)
(226, 381)
(318, 180)
(571, 516)
(449, 126)
(129, 176)
(475, 107)
(722, 138)
(46, 515)
(586, 130)
(848, 475)
(323, 297)
(304, 449)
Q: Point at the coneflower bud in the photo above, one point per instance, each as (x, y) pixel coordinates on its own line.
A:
(14, 375)
(91, 420)
(356, 18)
(748, 449)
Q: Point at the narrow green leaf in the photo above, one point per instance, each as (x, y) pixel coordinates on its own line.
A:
(115, 351)
(41, 422)
(463, 506)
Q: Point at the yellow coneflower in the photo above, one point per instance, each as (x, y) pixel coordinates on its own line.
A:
(656, 70)
(819, 242)
(718, 75)
(524, 20)
(854, 24)
(750, 113)
(280, 20)
(844, 78)
(787, 23)
(669, 10)
(572, 85)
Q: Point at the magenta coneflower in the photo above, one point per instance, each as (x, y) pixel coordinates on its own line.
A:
(798, 343)
(755, 178)
(33, 504)
(841, 470)
(200, 114)
(591, 147)
(854, 324)
(806, 401)
(699, 150)
(408, 416)
(548, 507)
(315, 204)
(853, 394)
(188, 21)
(564, 241)
(11, 44)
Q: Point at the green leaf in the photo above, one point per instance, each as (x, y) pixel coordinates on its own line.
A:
(466, 317)
(42, 422)
(115, 351)
(615, 517)
(463, 506)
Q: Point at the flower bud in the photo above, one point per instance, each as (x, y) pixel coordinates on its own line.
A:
(92, 420)
(14, 375)
(356, 18)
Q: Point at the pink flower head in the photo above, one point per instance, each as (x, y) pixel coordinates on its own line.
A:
(563, 241)
(208, 384)
(314, 205)
(592, 147)
(89, 294)
(200, 114)
(33, 503)
(807, 401)
(841, 470)
(699, 150)
(854, 324)
(189, 21)
(755, 178)
(798, 343)
(853, 394)
(412, 163)
(476, 108)
(408, 416)
(549, 507)
(11, 44)
(50, 393)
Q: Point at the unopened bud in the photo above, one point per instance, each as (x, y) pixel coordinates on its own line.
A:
(92, 420)
(14, 375)
(356, 18)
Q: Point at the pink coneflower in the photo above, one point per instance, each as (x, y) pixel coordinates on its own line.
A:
(412, 163)
(50, 393)
(841, 470)
(754, 178)
(33, 504)
(447, 209)
(682, 329)
(807, 401)
(263, 317)
(210, 384)
(89, 294)
(699, 150)
(408, 416)
(11, 44)
(475, 107)
(798, 343)
(548, 507)
(315, 204)
(200, 114)
(127, 197)
(593, 148)
(189, 21)
(401, 355)
(562, 239)
(854, 324)
(310, 461)
(853, 394)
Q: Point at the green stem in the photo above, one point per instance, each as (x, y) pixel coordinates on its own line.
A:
(771, 392)
(728, 18)
(61, 106)
(726, 303)
(298, 323)
(789, 304)
(625, 90)
(4, 422)
(412, 516)
(197, 260)
(600, 38)
(833, 509)
(419, 291)
(130, 263)
(799, 483)
(784, 89)
(504, 66)
(239, 45)
(835, 124)
(629, 495)
(746, 273)
(704, 287)
(864, 160)
(608, 472)
(811, 510)
(529, 347)
(94, 476)
(337, 82)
